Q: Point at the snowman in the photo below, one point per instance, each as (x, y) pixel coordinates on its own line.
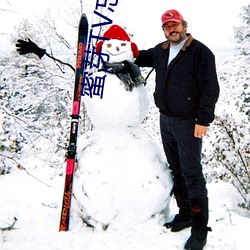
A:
(122, 178)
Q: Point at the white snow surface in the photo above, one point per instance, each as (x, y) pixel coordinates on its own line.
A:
(37, 208)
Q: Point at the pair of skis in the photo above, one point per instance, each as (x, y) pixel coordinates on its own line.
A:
(71, 160)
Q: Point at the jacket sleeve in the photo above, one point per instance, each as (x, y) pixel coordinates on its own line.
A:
(145, 58)
(208, 87)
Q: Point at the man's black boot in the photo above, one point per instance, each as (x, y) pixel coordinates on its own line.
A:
(197, 240)
(199, 215)
(181, 220)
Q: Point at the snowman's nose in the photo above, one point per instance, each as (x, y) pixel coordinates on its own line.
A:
(117, 48)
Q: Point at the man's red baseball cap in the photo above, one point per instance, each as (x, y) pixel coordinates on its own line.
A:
(171, 16)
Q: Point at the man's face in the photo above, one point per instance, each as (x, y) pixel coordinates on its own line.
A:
(174, 32)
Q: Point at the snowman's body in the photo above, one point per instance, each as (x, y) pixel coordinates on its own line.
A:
(122, 176)
(118, 107)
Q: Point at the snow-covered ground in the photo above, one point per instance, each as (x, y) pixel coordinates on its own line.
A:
(37, 208)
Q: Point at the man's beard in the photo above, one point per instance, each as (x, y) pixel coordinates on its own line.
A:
(182, 36)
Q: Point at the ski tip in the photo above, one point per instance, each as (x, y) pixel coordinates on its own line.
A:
(83, 24)
(83, 16)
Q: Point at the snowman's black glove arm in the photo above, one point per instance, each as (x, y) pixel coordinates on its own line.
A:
(120, 71)
(134, 72)
(128, 72)
(114, 68)
(24, 47)
(127, 68)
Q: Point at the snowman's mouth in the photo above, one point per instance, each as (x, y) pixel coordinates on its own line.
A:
(117, 54)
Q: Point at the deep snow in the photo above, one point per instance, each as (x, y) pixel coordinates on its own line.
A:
(37, 208)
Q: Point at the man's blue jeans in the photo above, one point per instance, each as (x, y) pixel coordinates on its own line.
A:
(183, 152)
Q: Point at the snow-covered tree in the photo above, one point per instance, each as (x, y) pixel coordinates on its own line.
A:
(35, 102)
(242, 33)
(230, 155)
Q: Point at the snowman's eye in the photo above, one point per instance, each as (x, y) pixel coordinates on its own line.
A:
(123, 44)
(109, 45)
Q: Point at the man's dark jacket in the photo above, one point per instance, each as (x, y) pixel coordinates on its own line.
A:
(187, 88)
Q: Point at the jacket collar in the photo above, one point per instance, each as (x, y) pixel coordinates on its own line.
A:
(166, 44)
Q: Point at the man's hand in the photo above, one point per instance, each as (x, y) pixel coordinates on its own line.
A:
(24, 47)
(200, 131)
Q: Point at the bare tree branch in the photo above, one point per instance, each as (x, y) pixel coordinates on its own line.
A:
(19, 166)
(10, 227)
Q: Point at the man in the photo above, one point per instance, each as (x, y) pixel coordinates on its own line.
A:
(186, 93)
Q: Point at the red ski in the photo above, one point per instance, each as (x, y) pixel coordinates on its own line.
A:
(71, 153)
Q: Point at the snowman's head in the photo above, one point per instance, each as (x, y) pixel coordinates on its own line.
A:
(118, 50)
(118, 47)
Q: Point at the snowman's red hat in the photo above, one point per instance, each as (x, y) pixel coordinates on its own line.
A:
(117, 32)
